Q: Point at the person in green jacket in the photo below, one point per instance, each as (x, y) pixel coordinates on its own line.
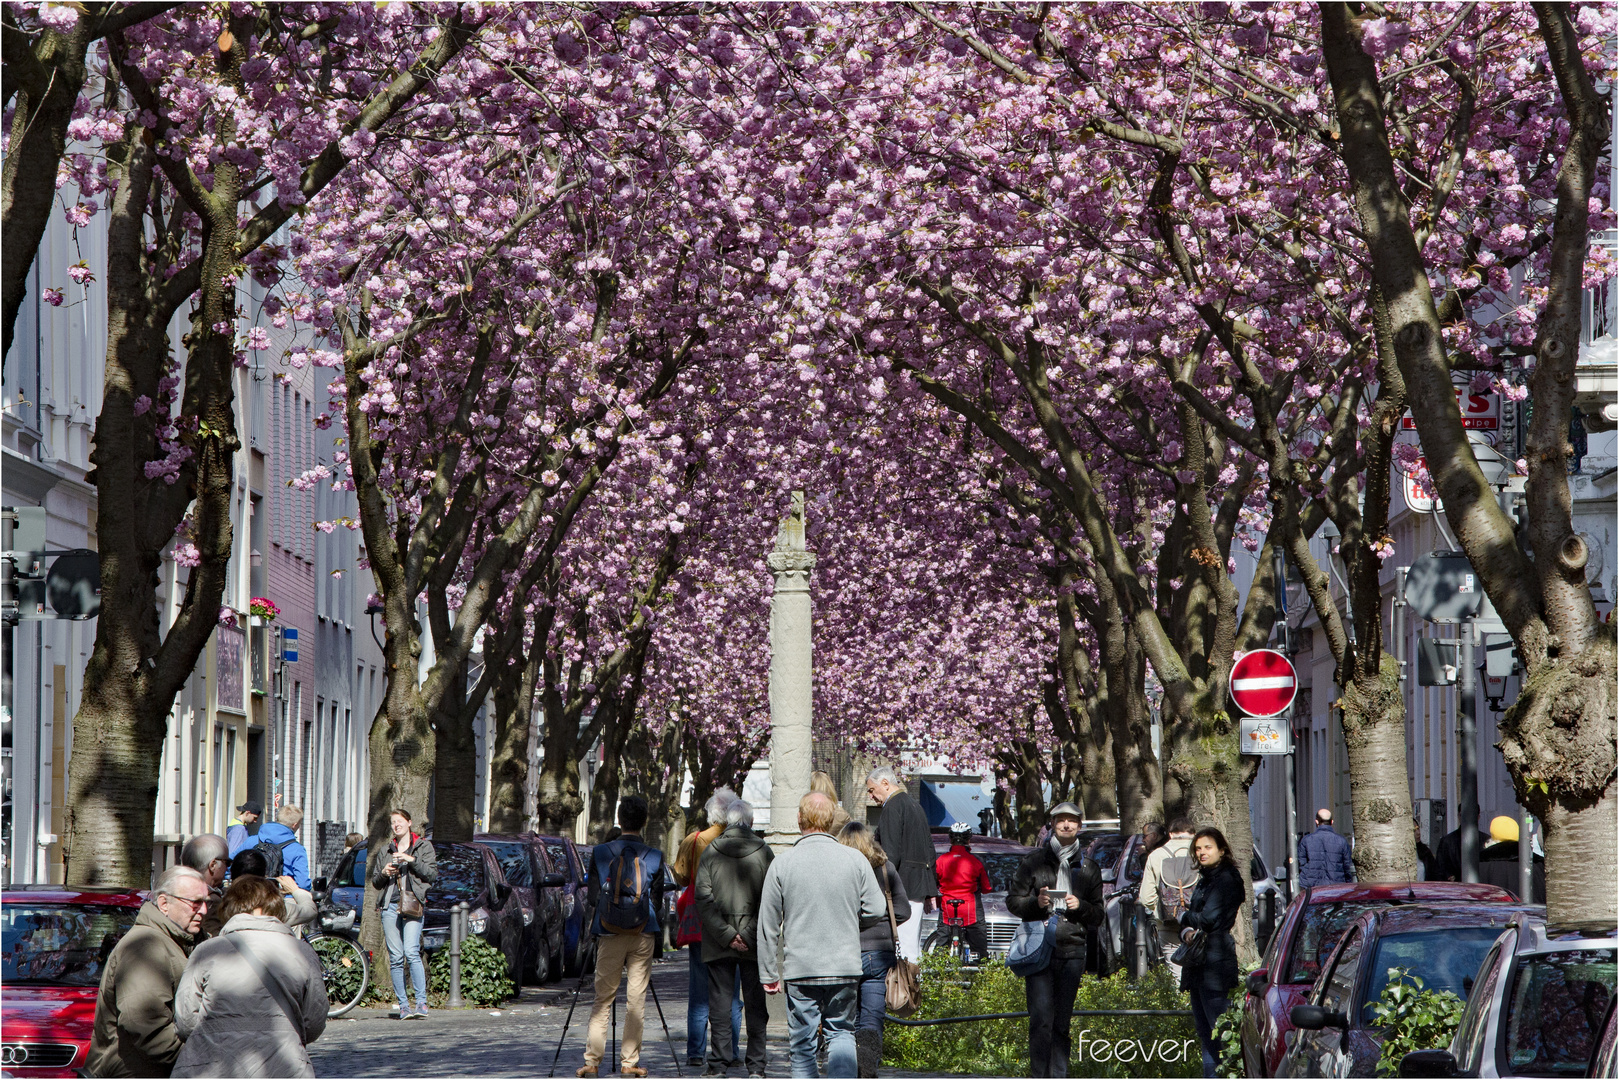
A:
(730, 880)
(134, 1025)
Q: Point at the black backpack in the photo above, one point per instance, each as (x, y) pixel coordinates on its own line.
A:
(272, 856)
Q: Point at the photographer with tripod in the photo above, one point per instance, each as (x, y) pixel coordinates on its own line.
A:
(626, 888)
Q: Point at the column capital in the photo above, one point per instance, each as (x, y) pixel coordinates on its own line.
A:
(789, 561)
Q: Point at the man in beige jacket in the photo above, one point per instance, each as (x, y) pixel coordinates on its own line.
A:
(134, 1026)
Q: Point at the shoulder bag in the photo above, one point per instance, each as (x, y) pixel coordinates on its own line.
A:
(410, 906)
(903, 988)
(1032, 945)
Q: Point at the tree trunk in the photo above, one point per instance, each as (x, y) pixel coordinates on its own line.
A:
(557, 798)
(1138, 778)
(508, 759)
(402, 746)
(616, 728)
(455, 769)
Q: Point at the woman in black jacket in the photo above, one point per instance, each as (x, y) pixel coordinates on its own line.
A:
(1216, 902)
(1058, 865)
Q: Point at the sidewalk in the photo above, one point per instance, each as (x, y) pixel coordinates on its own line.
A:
(521, 1037)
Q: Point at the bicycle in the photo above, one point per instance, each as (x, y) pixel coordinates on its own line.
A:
(951, 936)
(344, 966)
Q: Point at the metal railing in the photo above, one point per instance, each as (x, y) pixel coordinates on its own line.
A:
(934, 1022)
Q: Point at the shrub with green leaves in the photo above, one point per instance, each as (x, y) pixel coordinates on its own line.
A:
(1413, 1018)
(1147, 1045)
(483, 973)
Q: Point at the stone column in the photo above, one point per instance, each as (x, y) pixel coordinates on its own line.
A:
(791, 677)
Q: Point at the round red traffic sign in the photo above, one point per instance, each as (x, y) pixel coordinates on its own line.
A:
(1263, 682)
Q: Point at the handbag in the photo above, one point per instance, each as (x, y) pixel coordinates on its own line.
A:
(1032, 945)
(1191, 953)
(902, 989)
(689, 924)
(409, 905)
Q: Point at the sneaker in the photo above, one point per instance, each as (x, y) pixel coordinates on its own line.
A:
(417, 1014)
(696, 1062)
(632, 1070)
(585, 1070)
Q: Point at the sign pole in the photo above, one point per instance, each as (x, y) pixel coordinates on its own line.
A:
(1290, 760)
(1467, 755)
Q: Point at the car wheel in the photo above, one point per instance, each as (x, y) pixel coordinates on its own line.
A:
(554, 964)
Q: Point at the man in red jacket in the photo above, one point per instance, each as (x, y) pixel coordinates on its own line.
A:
(961, 878)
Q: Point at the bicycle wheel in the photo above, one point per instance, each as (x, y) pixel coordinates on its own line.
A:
(347, 971)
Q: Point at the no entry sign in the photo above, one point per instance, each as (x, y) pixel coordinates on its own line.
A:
(1263, 683)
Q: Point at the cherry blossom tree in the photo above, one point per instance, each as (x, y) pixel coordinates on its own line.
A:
(212, 131)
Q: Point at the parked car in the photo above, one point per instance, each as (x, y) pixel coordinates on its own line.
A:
(570, 861)
(1310, 930)
(466, 872)
(527, 866)
(1001, 859)
(1605, 1061)
(54, 942)
(1334, 1030)
(1542, 1005)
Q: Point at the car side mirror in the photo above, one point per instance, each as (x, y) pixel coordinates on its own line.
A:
(1258, 982)
(1428, 1063)
(1314, 1018)
(1109, 876)
(503, 892)
(1279, 874)
(318, 885)
(553, 881)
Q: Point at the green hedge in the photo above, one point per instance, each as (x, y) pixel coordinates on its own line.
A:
(1001, 1047)
(483, 973)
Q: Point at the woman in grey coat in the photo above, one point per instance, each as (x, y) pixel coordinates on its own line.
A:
(252, 998)
(877, 948)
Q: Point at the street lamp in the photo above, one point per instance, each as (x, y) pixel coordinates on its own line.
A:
(371, 609)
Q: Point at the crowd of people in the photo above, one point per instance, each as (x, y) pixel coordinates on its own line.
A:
(214, 980)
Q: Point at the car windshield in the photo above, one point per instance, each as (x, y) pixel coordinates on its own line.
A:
(1104, 850)
(1444, 959)
(1002, 865)
(1556, 1011)
(1320, 927)
(513, 861)
(353, 875)
(460, 875)
(60, 944)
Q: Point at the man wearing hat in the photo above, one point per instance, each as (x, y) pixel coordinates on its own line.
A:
(1056, 877)
(244, 826)
(1498, 863)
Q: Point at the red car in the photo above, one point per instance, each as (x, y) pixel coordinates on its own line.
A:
(54, 941)
(1315, 921)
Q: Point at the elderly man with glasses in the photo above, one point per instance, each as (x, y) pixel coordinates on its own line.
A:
(134, 1026)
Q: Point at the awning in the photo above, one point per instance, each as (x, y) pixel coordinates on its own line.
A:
(948, 803)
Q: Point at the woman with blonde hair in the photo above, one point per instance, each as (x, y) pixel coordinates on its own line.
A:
(823, 783)
(877, 947)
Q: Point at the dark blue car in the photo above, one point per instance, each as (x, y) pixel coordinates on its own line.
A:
(577, 944)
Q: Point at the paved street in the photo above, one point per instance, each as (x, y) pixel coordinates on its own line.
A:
(518, 1039)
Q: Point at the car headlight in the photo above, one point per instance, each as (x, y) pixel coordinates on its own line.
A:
(528, 916)
(478, 921)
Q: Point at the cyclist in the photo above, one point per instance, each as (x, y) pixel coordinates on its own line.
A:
(962, 877)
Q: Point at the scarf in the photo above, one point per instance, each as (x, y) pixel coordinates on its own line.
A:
(1065, 856)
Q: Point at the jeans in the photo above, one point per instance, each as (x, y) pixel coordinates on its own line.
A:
(874, 968)
(830, 1007)
(697, 1007)
(404, 939)
(1207, 1005)
(1050, 995)
(724, 976)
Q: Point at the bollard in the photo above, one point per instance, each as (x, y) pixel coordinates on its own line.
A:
(1137, 913)
(458, 915)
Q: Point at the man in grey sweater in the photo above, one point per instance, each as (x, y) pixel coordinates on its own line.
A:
(818, 896)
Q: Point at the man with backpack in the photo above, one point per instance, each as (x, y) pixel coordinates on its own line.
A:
(278, 842)
(626, 889)
(1167, 882)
